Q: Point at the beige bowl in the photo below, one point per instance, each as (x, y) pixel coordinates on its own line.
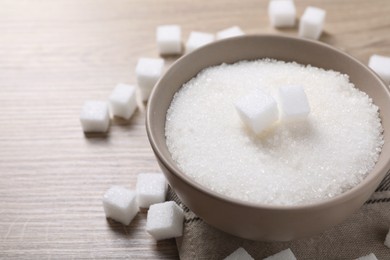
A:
(249, 220)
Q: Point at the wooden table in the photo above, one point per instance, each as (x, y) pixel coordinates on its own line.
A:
(54, 55)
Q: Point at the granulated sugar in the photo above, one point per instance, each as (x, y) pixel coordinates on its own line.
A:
(298, 163)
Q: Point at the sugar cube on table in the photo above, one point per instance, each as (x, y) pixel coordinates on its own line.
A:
(151, 189)
(169, 39)
(120, 204)
(94, 116)
(381, 66)
(165, 220)
(148, 72)
(122, 101)
(257, 110)
(229, 32)
(387, 240)
(293, 103)
(368, 257)
(312, 23)
(282, 13)
(198, 39)
(239, 254)
(286, 254)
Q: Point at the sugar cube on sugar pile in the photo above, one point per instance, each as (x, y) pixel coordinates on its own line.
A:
(122, 101)
(94, 116)
(381, 66)
(257, 110)
(282, 13)
(368, 257)
(165, 220)
(286, 254)
(387, 240)
(239, 254)
(233, 31)
(120, 204)
(312, 23)
(198, 39)
(293, 104)
(151, 189)
(169, 39)
(148, 72)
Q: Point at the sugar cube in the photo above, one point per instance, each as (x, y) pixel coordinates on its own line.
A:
(286, 254)
(94, 116)
(312, 23)
(293, 104)
(387, 240)
(151, 189)
(120, 204)
(368, 257)
(198, 39)
(169, 39)
(123, 101)
(381, 66)
(257, 110)
(165, 220)
(229, 32)
(148, 72)
(239, 254)
(282, 13)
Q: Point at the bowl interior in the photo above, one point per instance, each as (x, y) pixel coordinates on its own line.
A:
(257, 47)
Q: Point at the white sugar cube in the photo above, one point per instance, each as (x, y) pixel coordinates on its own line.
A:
(257, 110)
(293, 104)
(94, 116)
(381, 66)
(387, 240)
(239, 254)
(120, 204)
(165, 220)
(169, 39)
(286, 254)
(148, 72)
(368, 257)
(123, 101)
(229, 32)
(198, 39)
(312, 23)
(282, 13)
(151, 189)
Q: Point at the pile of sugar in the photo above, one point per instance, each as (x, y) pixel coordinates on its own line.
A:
(321, 157)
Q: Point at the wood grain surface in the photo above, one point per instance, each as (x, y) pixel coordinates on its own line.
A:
(54, 55)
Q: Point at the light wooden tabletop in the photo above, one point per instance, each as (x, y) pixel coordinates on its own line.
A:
(54, 55)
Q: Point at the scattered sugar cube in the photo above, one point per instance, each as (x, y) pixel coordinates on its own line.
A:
(381, 66)
(229, 32)
(94, 116)
(239, 254)
(293, 104)
(165, 220)
(148, 72)
(257, 110)
(282, 13)
(120, 204)
(151, 189)
(198, 39)
(169, 39)
(312, 23)
(387, 241)
(286, 254)
(368, 257)
(123, 101)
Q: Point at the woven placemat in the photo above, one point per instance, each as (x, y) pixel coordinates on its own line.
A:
(362, 233)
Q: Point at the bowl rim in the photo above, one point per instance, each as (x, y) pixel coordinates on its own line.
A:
(174, 169)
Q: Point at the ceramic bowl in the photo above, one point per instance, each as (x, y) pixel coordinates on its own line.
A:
(249, 220)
